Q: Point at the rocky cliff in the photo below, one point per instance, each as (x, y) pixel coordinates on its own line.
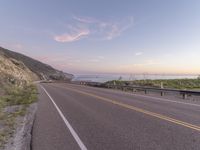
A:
(16, 67)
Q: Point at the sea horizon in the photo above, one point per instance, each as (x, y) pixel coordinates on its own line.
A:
(129, 77)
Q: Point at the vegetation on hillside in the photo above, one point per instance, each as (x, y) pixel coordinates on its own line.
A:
(16, 93)
(20, 95)
(15, 99)
(167, 83)
(43, 71)
(17, 72)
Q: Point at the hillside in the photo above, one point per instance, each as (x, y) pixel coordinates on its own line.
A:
(18, 95)
(43, 71)
(13, 72)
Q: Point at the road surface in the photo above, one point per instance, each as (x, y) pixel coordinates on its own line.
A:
(73, 117)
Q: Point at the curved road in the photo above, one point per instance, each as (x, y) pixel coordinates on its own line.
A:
(73, 117)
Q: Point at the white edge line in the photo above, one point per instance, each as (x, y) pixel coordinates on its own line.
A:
(74, 134)
(165, 100)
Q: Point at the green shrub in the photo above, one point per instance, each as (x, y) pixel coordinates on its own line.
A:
(167, 83)
(21, 96)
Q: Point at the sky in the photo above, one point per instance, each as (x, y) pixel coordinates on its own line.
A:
(105, 36)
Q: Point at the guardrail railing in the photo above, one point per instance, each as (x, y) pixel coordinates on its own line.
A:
(162, 91)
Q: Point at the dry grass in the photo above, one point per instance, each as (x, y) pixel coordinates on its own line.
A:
(12, 105)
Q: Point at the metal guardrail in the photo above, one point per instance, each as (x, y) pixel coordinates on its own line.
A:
(162, 91)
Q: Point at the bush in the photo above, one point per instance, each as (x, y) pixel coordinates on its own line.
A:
(20, 96)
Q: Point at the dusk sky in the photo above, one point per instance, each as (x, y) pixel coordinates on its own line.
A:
(105, 36)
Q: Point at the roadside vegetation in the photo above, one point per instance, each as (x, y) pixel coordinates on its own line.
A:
(190, 84)
(13, 103)
(20, 95)
(17, 72)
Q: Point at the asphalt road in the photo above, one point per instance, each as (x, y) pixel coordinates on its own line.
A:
(72, 117)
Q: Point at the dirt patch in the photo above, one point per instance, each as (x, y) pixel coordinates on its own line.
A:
(21, 138)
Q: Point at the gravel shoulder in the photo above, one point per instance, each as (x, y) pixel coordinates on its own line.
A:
(21, 138)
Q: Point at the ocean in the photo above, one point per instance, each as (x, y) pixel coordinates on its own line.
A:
(107, 77)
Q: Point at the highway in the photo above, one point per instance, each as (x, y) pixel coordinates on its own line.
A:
(73, 117)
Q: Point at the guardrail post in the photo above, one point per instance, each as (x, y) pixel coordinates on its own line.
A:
(183, 93)
(134, 90)
(184, 96)
(124, 88)
(145, 91)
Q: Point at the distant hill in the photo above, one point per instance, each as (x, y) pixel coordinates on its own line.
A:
(28, 68)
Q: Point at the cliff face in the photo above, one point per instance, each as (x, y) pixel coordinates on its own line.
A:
(16, 94)
(25, 68)
(14, 72)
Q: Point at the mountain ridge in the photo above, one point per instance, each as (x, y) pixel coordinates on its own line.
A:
(24, 65)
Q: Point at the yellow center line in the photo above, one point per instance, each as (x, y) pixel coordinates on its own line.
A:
(169, 119)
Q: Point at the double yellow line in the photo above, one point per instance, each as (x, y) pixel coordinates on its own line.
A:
(169, 119)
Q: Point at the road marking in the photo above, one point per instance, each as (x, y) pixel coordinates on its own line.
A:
(152, 98)
(165, 100)
(169, 119)
(74, 134)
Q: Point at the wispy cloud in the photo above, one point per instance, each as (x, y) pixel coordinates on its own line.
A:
(114, 29)
(18, 46)
(70, 37)
(141, 65)
(148, 63)
(101, 57)
(13, 46)
(114, 32)
(86, 19)
(138, 53)
(96, 59)
(60, 61)
(94, 29)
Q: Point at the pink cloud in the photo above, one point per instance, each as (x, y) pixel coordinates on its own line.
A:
(107, 30)
(72, 37)
(94, 28)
